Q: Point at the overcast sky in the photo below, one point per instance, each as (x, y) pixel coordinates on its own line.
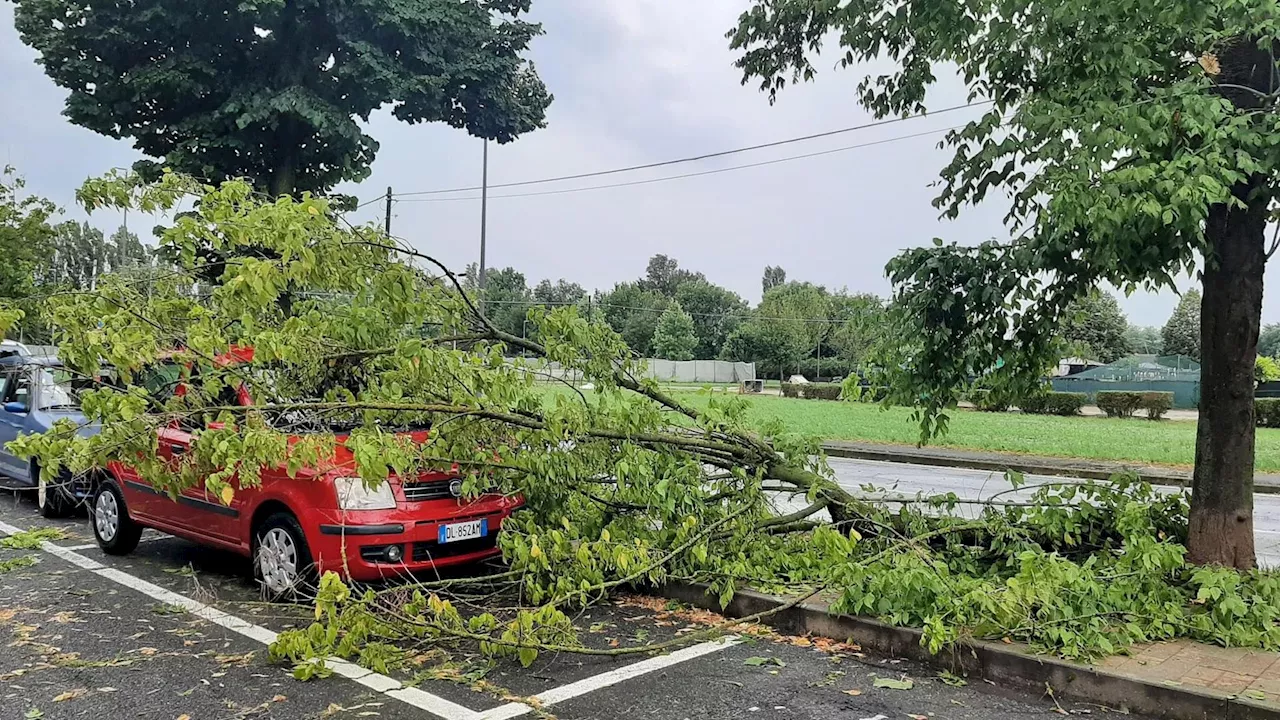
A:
(635, 82)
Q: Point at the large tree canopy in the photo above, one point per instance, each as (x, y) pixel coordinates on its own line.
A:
(1134, 139)
(1094, 324)
(275, 90)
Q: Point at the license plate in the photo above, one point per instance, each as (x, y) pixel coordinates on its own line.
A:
(464, 531)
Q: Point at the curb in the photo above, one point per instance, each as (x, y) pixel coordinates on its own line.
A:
(1029, 464)
(990, 661)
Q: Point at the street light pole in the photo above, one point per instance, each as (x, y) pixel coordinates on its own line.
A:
(484, 215)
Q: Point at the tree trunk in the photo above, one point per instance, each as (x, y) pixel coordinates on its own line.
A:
(1221, 523)
(284, 179)
(1221, 530)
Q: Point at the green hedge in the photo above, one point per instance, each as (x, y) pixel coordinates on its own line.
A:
(987, 401)
(1119, 404)
(1054, 403)
(820, 391)
(1266, 412)
(1124, 404)
(791, 390)
(1157, 404)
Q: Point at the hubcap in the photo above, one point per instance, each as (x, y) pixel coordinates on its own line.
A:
(106, 515)
(278, 560)
(42, 492)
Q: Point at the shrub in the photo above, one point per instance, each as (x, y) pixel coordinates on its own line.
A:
(1157, 404)
(791, 390)
(1267, 412)
(1054, 403)
(987, 401)
(1119, 404)
(820, 391)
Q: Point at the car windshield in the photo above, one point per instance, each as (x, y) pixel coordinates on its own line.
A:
(61, 388)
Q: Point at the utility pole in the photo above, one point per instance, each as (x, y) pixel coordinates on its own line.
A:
(484, 216)
(388, 210)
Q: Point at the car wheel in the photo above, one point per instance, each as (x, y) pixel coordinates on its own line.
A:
(52, 498)
(282, 561)
(116, 532)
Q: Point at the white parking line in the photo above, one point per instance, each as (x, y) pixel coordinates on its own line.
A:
(92, 545)
(433, 704)
(613, 677)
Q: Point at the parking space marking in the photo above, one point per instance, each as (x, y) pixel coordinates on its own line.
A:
(613, 677)
(415, 697)
(93, 545)
(422, 700)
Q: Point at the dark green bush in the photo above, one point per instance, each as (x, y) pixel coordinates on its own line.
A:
(820, 391)
(1119, 403)
(790, 390)
(1124, 403)
(1054, 403)
(987, 401)
(1267, 412)
(1157, 404)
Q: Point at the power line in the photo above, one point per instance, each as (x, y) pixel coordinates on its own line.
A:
(694, 174)
(705, 156)
(740, 315)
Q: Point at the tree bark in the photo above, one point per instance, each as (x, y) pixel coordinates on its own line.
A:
(1221, 522)
(1221, 531)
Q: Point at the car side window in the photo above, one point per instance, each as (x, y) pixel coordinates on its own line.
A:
(19, 388)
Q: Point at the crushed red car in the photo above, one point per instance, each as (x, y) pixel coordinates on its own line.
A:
(323, 519)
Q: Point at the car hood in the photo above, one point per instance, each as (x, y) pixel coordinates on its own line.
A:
(44, 419)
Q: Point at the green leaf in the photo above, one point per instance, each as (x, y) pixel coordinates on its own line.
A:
(891, 684)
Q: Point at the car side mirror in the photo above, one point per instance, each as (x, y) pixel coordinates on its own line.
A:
(16, 408)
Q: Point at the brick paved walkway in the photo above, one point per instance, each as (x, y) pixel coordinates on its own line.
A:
(1254, 674)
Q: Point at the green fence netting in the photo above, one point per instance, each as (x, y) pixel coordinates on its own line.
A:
(1177, 374)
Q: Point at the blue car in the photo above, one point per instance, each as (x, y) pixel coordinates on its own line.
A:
(36, 392)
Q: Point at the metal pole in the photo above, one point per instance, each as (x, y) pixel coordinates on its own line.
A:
(484, 213)
(388, 210)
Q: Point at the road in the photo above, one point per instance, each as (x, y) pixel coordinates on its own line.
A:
(177, 632)
(978, 484)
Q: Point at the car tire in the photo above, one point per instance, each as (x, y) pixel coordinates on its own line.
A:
(52, 499)
(115, 531)
(282, 562)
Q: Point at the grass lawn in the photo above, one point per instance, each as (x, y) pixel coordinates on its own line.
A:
(1139, 440)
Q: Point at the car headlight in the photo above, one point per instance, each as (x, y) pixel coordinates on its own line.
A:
(354, 495)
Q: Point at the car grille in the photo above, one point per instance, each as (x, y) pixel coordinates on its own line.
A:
(430, 490)
(427, 551)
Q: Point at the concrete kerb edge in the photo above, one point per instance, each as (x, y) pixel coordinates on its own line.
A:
(989, 661)
(1028, 466)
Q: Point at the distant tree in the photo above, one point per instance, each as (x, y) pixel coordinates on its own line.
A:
(663, 275)
(1269, 341)
(561, 292)
(506, 297)
(785, 329)
(715, 312)
(754, 341)
(674, 337)
(858, 324)
(1181, 335)
(127, 251)
(1095, 321)
(25, 241)
(1266, 369)
(277, 91)
(773, 277)
(799, 308)
(633, 313)
(1144, 340)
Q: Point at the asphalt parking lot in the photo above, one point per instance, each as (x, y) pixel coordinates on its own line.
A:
(177, 632)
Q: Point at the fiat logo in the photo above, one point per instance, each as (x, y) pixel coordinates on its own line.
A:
(455, 488)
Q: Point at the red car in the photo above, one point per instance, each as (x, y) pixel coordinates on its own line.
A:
(322, 520)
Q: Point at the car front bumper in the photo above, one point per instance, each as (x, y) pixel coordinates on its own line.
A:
(352, 544)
